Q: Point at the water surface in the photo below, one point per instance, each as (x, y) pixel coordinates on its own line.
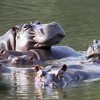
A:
(80, 20)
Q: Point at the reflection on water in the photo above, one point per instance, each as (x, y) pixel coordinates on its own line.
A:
(19, 85)
(81, 21)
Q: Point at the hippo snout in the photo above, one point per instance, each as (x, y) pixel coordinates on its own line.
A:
(52, 34)
(55, 28)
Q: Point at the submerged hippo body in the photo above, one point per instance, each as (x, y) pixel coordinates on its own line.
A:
(17, 57)
(55, 52)
(37, 55)
(19, 60)
(58, 77)
(73, 74)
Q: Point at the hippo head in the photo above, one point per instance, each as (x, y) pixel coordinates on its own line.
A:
(49, 77)
(21, 60)
(94, 49)
(38, 35)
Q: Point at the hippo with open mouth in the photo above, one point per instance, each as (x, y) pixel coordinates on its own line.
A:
(37, 40)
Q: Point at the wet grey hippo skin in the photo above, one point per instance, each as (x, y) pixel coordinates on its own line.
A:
(33, 35)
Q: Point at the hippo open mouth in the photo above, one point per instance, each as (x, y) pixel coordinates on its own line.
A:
(38, 35)
(32, 35)
(50, 42)
(48, 34)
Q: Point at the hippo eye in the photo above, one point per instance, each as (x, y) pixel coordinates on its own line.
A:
(38, 22)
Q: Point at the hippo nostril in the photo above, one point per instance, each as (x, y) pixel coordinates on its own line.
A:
(0, 64)
(17, 60)
(2, 51)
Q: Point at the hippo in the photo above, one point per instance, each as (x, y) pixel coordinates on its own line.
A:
(66, 74)
(32, 35)
(59, 77)
(38, 38)
(18, 58)
(93, 52)
(94, 48)
(36, 55)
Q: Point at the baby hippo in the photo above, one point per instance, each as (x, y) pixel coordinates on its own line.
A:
(21, 60)
(15, 57)
(18, 60)
(45, 77)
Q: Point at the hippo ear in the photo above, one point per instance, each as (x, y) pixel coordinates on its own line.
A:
(15, 29)
(64, 67)
(37, 68)
(2, 51)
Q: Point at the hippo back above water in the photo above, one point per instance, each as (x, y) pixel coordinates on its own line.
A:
(33, 35)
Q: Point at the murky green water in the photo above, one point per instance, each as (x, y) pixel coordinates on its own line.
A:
(81, 21)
